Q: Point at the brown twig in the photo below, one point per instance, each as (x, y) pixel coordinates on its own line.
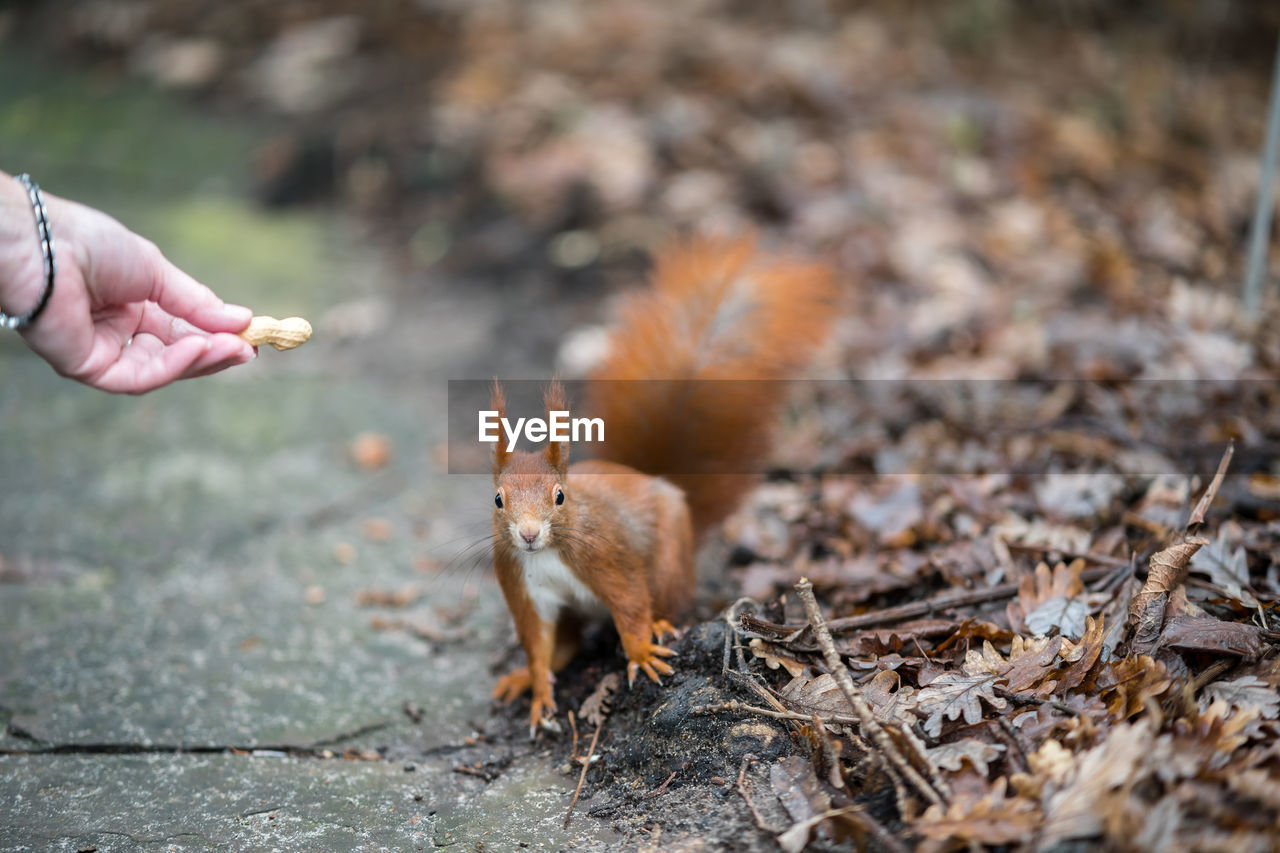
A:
(1168, 570)
(911, 610)
(658, 790)
(734, 705)
(1210, 673)
(871, 727)
(746, 798)
(591, 751)
(750, 683)
(1023, 699)
(1007, 728)
(1197, 516)
(573, 724)
(478, 772)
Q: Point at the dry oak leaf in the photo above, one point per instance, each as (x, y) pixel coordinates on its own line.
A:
(1212, 739)
(1161, 823)
(993, 819)
(796, 786)
(1082, 657)
(1030, 661)
(1127, 684)
(1039, 533)
(1246, 692)
(879, 641)
(895, 518)
(596, 706)
(952, 695)
(1257, 784)
(773, 657)
(975, 629)
(1226, 569)
(1076, 807)
(819, 695)
(1208, 634)
(1168, 570)
(889, 698)
(951, 756)
(1048, 595)
(1066, 615)
(1077, 496)
(1053, 760)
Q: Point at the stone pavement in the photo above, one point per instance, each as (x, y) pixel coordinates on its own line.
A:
(184, 661)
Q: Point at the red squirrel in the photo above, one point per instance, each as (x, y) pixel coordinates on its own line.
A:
(600, 537)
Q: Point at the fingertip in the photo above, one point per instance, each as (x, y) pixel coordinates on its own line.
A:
(237, 314)
(221, 317)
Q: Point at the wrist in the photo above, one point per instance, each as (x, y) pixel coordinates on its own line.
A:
(22, 279)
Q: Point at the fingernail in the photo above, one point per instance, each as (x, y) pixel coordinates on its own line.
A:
(245, 358)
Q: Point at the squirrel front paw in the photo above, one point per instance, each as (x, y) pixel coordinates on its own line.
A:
(647, 657)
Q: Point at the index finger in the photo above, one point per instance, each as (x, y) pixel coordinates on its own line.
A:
(184, 297)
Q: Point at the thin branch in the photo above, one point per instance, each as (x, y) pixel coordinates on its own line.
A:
(1023, 699)
(658, 790)
(591, 751)
(1197, 517)
(746, 798)
(911, 610)
(743, 707)
(870, 726)
(1209, 674)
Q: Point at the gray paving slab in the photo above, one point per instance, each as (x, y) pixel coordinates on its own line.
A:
(218, 802)
(180, 574)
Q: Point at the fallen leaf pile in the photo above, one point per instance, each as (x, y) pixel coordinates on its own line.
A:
(1094, 698)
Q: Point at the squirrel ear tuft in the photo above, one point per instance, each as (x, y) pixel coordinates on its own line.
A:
(498, 402)
(554, 400)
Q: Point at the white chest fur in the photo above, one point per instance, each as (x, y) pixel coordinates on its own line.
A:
(553, 587)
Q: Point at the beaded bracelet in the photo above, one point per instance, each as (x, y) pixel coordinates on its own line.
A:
(21, 321)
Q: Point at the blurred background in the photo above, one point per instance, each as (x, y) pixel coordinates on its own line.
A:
(1003, 185)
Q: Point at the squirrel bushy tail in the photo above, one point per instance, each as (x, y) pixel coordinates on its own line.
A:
(704, 352)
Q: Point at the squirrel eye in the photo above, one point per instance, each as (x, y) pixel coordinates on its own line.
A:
(559, 497)
(497, 500)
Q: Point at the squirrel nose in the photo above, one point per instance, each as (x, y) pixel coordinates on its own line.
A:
(529, 534)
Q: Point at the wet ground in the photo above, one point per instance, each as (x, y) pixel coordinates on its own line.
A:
(186, 660)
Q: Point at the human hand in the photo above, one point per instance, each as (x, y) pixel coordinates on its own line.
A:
(122, 318)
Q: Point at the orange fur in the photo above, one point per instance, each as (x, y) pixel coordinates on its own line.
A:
(727, 326)
(623, 538)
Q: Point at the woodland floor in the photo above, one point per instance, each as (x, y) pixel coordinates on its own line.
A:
(1039, 217)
